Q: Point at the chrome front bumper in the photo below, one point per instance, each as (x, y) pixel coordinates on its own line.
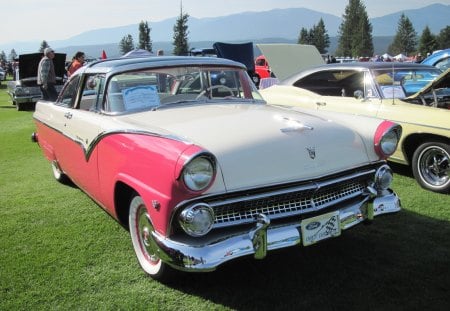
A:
(262, 237)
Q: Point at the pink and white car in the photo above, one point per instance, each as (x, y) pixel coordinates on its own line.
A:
(185, 153)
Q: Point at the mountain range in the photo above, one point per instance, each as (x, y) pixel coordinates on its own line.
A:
(278, 25)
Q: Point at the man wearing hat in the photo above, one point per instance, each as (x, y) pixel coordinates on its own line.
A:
(46, 77)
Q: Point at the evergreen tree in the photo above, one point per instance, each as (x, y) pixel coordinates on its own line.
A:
(126, 44)
(320, 38)
(12, 55)
(303, 37)
(355, 31)
(180, 34)
(405, 40)
(427, 42)
(44, 45)
(443, 39)
(316, 36)
(145, 42)
(3, 57)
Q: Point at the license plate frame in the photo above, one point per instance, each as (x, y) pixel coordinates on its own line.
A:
(321, 227)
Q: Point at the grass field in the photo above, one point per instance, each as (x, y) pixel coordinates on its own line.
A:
(60, 251)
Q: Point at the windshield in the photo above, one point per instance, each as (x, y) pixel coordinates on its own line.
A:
(403, 82)
(160, 87)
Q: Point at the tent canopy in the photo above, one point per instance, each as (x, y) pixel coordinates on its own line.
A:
(138, 53)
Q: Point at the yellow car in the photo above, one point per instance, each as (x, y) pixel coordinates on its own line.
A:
(413, 95)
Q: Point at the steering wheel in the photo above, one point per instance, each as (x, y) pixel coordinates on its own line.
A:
(213, 87)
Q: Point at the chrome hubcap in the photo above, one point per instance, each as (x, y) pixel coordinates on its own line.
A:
(434, 166)
(145, 228)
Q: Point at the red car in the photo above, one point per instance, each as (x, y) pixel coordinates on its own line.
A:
(262, 69)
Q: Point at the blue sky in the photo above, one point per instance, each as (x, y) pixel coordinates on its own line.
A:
(37, 20)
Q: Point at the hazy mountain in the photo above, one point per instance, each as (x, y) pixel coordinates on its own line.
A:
(436, 16)
(277, 25)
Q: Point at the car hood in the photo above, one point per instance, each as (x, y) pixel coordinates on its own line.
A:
(288, 59)
(28, 64)
(258, 145)
(442, 81)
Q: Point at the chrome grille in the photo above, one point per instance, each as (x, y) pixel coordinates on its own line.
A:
(286, 204)
(282, 201)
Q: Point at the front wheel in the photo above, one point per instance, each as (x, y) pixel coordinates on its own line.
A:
(141, 230)
(431, 166)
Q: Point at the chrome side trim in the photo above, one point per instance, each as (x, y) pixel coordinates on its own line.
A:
(88, 151)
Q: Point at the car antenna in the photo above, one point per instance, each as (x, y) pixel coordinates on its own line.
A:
(393, 83)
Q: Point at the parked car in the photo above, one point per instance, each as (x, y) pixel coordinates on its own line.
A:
(386, 91)
(440, 59)
(185, 154)
(262, 69)
(23, 90)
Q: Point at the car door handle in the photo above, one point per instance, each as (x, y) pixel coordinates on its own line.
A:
(321, 103)
(68, 115)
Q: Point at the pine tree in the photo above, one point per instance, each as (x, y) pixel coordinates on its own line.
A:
(303, 37)
(355, 31)
(126, 44)
(405, 40)
(145, 42)
(180, 34)
(317, 36)
(2, 57)
(12, 55)
(321, 39)
(43, 46)
(427, 42)
(443, 38)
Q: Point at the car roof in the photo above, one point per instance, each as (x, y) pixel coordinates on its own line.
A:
(435, 57)
(124, 64)
(356, 66)
(376, 65)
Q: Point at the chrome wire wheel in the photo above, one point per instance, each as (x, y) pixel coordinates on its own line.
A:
(141, 230)
(431, 166)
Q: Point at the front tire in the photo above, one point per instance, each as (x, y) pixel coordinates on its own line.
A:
(431, 166)
(146, 250)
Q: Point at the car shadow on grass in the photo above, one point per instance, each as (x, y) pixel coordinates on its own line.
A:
(400, 262)
(403, 170)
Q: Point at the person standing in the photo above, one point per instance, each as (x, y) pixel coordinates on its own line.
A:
(78, 61)
(46, 77)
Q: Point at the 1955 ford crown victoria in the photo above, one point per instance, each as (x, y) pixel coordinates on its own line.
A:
(185, 153)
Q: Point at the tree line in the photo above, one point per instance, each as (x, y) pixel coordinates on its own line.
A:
(354, 36)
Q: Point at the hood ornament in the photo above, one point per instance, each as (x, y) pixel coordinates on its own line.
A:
(311, 152)
(293, 125)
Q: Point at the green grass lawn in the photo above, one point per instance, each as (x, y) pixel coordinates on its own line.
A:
(59, 250)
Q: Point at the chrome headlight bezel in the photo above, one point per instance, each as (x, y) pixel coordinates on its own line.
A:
(383, 177)
(199, 173)
(197, 220)
(387, 138)
(389, 142)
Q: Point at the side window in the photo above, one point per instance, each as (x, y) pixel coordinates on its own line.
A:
(91, 96)
(325, 83)
(69, 93)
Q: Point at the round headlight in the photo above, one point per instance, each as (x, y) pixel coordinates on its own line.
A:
(387, 137)
(389, 142)
(383, 177)
(198, 173)
(197, 220)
